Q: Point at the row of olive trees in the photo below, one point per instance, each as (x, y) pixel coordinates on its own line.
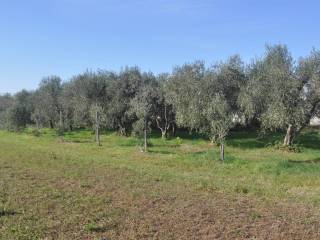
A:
(273, 92)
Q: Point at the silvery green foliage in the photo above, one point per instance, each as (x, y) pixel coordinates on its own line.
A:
(273, 90)
(139, 126)
(47, 100)
(195, 92)
(219, 95)
(185, 94)
(123, 89)
(6, 102)
(309, 74)
(68, 105)
(38, 117)
(40, 114)
(206, 99)
(165, 114)
(87, 93)
(144, 107)
(284, 104)
(218, 114)
(18, 115)
(279, 93)
(76, 98)
(229, 77)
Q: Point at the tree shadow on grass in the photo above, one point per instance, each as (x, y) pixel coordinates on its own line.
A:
(7, 212)
(78, 136)
(199, 154)
(78, 140)
(312, 161)
(190, 136)
(298, 167)
(309, 139)
(161, 151)
(252, 139)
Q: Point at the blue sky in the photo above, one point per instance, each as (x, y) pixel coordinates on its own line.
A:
(66, 37)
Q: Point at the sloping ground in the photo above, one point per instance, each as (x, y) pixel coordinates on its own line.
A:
(50, 194)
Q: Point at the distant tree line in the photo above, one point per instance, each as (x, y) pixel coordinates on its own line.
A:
(274, 93)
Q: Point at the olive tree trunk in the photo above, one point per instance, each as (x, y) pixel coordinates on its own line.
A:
(37, 124)
(145, 136)
(164, 127)
(163, 134)
(173, 130)
(61, 120)
(122, 130)
(97, 127)
(51, 124)
(222, 151)
(289, 136)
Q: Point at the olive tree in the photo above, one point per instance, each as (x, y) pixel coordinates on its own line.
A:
(308, 73)
(68, 103)
(19, 113)
(205, 100)
(280, 94)
(90, 98)
(184, 92)
(123, 89)
(47, 104)
(6, 101)
(218, 114)
(220, 92)
(144, 106)
(164, 115)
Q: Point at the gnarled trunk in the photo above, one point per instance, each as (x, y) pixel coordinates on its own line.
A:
(164, 134)
(289, 136)
(165, 126)
(122, 131)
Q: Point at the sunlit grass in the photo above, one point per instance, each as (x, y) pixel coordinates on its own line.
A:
(251, 160)
(253, 167)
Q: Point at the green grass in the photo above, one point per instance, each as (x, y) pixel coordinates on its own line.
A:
(69, 175)
(249, 160)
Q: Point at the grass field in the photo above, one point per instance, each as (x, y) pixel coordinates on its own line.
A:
(68, 188)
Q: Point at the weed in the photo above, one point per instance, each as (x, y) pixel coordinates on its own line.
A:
(92, 227)
(241, 189)
(255, 215)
